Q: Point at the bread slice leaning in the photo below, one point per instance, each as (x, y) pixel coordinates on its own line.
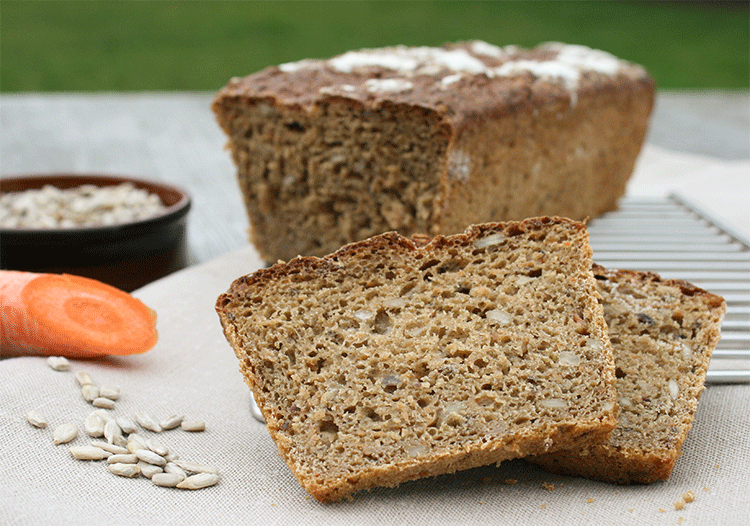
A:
(663, 333)
(391, 360)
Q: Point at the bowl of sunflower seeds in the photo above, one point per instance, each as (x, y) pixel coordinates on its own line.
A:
(122, 231)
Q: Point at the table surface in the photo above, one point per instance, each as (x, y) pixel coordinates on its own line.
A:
(174, 137)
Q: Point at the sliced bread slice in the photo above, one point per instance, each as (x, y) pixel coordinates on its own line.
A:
(391, 360)
(663, 333)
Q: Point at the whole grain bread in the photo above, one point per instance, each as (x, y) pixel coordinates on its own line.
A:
(391, 360)
(663, 333)
(430, 140)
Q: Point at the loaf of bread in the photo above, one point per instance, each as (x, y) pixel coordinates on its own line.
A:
(430, 140)
(663, 333)
(392, 359)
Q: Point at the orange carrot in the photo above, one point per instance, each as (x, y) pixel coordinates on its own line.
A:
(60, 314)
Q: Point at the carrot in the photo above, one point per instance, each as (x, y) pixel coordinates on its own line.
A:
(61, 314)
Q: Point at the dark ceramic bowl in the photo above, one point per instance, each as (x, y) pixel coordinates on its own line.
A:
(127, 255)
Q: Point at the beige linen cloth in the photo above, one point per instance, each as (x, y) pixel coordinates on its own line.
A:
(192, 371)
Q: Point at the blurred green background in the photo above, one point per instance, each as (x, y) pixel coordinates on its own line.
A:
(199, 45)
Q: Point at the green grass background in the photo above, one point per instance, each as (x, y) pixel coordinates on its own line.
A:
(198, 45)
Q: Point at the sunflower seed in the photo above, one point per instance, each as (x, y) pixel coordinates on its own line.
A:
(36, 419)
(110, 391)
(112, 448)
(196, 468)
(104, 403)
(123, 458)
(126, 424)
(149, 470)
(121, 441)
(174, 469)
(199, 481)
(157, 448)
(172, 421)
(149, 456)
(90, 392)
(167, 480)
(64, 433)
(136, 442)
(94, 425)
(193, 425)
(58, 363)
(84, 378)
(146, 422)
(104, 415)
(89, 453)
(125, 470)
(112, 431)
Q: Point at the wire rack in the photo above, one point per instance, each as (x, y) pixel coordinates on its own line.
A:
(677, 240)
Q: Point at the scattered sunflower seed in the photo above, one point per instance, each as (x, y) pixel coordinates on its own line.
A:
(94, 425)
(174, 469)
(193, 425)
(104, 415)
(149, 470)
(199, 481)
(121, 441)
(126, 424)
(172, 421)
(112, 431)
(147, 422)
(110, 391)
(36, 419)
(123, 458)
(149, 456)
(167, 480)
(84, 378)
(112, 448)
(64, 433)
(104, 403)
(58, 363)
(157, 448)
(90, 392)
(89, 453)
(125, 470)
(136, 442)
(196, 468)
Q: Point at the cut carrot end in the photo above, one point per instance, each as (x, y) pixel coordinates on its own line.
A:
(82, 317)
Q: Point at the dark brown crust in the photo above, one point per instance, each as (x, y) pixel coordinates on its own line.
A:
(477, 97)
(381, 242)
(688, 289)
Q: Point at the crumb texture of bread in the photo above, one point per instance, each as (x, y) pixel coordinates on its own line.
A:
(391, 360)
(663, 333)
(430, 140)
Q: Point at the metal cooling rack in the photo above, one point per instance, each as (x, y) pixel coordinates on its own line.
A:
(677, 240)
